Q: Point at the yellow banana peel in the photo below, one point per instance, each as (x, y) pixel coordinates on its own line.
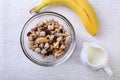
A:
(81, 7)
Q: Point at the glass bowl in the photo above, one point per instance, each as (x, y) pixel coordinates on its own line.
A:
(43, 16)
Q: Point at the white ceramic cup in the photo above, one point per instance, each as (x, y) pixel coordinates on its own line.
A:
(102, 65)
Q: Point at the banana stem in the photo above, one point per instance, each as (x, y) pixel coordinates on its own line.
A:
(36, 9)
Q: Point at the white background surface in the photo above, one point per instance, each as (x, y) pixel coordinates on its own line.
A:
(15, 66)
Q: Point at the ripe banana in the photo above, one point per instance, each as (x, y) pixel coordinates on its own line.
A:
(81, 7)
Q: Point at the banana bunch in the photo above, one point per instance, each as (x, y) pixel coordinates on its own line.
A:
(81, 7)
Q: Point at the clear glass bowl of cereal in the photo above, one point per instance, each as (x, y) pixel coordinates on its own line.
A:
(48, 39)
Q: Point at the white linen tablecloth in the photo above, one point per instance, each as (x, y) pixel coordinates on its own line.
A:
(15, 66)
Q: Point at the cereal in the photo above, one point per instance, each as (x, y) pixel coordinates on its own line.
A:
(48, 32)
(50, 27)
(50, 56)
(51, 47)
(43, 40)
(50, 39)
(55, 38)
(58, 53)
(40, 24)
(30, 38)
(42, 55)
(68, 39)
(61, 27)
(28, 34)
(46, 45)
(43, 51)
(56, 44)
(41, 45)
(42, 33)
(62, 47)
(37, 50)
(37, 41)
(31, 43)
(58, 34)
(38, 33)
(59, 38)
(35, 46)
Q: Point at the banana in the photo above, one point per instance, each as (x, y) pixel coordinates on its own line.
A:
(81, 7)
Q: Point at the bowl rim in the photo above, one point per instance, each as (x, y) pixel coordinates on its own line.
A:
(62, 17)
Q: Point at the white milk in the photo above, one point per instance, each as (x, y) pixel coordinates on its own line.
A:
(95, 55)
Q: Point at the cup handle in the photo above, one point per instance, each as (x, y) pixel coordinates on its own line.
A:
(108, 70)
